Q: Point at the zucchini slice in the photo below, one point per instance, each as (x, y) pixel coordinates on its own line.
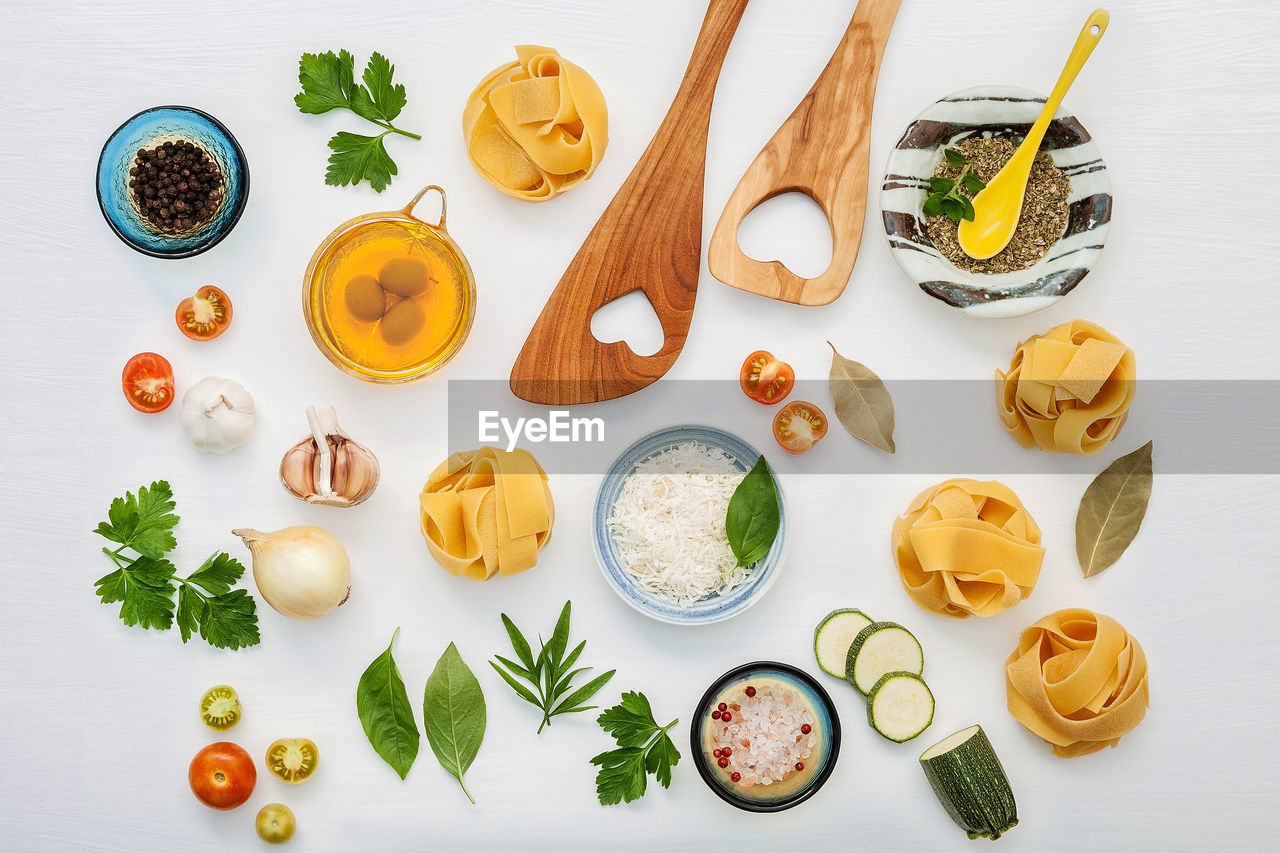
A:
(965, 773)
(834, 635)
(900, 706)
(879, 648)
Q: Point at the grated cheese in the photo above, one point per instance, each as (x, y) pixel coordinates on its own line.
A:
(668, 524)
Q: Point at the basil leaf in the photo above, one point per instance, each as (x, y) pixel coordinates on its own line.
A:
(754, 516)
(385, 712)
(454, 714)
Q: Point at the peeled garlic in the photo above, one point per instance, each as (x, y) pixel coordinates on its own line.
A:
(329, 467)
(303, 572)
(217, 415)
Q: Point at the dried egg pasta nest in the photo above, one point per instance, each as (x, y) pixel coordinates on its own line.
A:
(487, 512)
(537, 126)
(1068, 390)
(1078, 680)
(966, 547)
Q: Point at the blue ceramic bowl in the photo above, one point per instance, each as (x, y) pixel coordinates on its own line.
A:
(715, 608)
(145, 130)
(797, 786)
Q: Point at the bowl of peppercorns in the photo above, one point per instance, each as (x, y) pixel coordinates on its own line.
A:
(172, 182)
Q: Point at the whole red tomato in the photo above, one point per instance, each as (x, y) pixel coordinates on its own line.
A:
(222, 775)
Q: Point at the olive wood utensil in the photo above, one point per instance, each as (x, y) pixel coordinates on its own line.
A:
(822, 150)
(649, 238)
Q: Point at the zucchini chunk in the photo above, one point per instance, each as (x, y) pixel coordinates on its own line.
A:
(879, 648)
(834, 635)
(966, 775)
(900, 706)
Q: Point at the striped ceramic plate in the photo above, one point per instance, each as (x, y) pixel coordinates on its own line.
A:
(995, 111)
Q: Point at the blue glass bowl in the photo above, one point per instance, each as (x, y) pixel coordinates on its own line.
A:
(715, 608)
(797, 786)
(145, 130)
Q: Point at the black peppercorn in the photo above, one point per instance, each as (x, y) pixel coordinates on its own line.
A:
(176, 186)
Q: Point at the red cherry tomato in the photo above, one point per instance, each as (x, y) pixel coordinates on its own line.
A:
(147, 381)
(799, 426)
(222, 776)
(204, 316)
(765, 379)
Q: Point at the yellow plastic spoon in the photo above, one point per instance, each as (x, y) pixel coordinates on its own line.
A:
(996, 208)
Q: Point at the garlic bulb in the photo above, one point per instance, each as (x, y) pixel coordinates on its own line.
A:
(329, 467)
(217, 415)
(303, 572)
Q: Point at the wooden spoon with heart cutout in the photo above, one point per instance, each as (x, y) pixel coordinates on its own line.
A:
(649, 238)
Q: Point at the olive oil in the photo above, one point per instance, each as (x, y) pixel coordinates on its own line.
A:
(392, 298)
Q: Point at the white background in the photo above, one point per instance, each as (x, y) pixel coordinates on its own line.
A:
(99, 721)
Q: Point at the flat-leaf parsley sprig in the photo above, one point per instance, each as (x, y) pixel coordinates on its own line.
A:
(144, 584)
(644, 748)
(328, 83)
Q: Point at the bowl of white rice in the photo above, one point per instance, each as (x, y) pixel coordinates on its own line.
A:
(659, 528)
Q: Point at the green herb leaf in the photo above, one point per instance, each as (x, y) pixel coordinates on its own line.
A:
(933, 205)
(144, 523)
(973, 183)
(941, 185)
(229, 621)
(385, 712)
(753, 518)
(863, 404)
(378, 99)
(144, 587)
(953, 208)
(327, 80)
(967, 208)
(217, 574)
(643, 748)
(550, 675)
(453, 712)
(1112, 510)
(189, 607)
(358, 158)
(954, 157)
(328, 83)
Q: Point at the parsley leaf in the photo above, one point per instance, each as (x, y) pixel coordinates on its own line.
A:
(328, 83)
(356, 158)
(145, 589)
(643, 748)
(378, 99)
(143, 523)
(144, 585)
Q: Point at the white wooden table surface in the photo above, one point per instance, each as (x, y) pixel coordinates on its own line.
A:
(98, 721)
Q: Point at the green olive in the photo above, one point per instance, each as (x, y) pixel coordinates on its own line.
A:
(403, 320)
(365, 299)
(404, 276)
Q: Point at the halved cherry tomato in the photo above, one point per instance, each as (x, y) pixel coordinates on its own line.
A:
(799, 426)
(765, 379)
(147, 381)
(292, 760)
(204, 316)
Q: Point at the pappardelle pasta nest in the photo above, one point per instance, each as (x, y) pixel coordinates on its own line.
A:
(1068, 390)
(965, 547)
(1078, 679)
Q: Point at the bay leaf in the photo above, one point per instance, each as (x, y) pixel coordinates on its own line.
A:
(385, 712)
(454, 713)
(862, 401)
(1112, 510)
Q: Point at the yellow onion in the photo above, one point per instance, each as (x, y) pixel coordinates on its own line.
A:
(303, 572)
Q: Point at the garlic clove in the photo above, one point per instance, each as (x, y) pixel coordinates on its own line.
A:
(329, 467)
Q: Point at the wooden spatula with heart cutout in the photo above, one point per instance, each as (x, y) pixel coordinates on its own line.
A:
(649, 238)
(821, 150)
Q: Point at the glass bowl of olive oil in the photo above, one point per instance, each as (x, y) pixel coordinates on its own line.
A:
(389, 298)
